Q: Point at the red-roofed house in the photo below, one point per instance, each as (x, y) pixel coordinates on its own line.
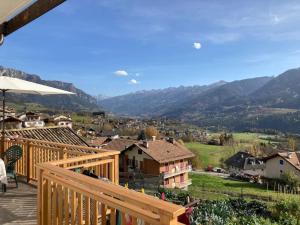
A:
(160, 157)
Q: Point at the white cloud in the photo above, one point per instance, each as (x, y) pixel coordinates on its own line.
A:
(133, 81)
(121, 73)
(197, 45)
(137, 74)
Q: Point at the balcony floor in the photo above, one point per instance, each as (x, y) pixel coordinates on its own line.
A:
(18, 205)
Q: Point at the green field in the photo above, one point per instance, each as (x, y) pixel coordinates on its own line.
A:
(208, 155)
(205, 183)
(214, 155)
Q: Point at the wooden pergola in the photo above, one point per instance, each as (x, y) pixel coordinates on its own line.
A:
(21, 12)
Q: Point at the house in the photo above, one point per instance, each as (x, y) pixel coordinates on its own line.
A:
(98, 142)
(63, 121)
(31, 119)
(8, 112)
(165, 158)
(118, 144)
(11, 123)
(282, 162)
(243, 163)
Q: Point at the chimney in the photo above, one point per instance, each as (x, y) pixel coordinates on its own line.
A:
(172, 140)
(153, 138)
(146, 144)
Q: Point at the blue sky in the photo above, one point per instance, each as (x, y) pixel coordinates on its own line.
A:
(112, 47)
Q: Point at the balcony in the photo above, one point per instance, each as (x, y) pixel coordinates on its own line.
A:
(184, 184)
(65, 196)
(177, 171)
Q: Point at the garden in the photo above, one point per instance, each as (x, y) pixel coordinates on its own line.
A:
(237, 211)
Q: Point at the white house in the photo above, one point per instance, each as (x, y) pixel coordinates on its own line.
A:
(31, 119)
(63, 121)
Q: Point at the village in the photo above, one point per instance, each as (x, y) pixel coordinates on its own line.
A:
(153, 153)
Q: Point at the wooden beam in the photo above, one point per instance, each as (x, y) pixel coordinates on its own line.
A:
(33, 12)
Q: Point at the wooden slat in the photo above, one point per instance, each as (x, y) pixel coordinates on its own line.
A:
(73, 207)
(103, 213)
(87, 211)
(95, 212)
(80, 209)
(49, 213)
(54, 205)
(66, 205)
(60, 204)
(112, 216)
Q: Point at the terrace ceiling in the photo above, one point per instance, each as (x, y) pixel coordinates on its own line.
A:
(15, 14)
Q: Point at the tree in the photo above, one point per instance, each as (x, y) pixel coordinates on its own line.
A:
(180, 141)
(107, 127)
(222, 139)
(290, 179)
(151, 131)
(291, 144)
(142, 135)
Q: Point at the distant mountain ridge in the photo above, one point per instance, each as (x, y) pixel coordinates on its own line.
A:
(261, 102)
(78, 102)
(154, 102)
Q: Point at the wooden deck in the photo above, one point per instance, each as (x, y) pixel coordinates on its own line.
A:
(64, 195)
(18, 205)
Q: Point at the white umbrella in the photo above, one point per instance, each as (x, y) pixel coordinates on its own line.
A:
(15, 85)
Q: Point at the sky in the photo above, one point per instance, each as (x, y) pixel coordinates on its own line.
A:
(113, 47)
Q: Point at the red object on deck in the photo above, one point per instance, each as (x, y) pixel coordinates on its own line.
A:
(184, 218)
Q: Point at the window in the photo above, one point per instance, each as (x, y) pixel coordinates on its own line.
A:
(181, 178)
(181, 164)
(140, 152)
(166, 167)
(166, 181)
(280, 171)
(281, 162)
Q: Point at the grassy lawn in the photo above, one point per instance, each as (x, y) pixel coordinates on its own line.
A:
(252, 137)
(207, 154)
(218, 184)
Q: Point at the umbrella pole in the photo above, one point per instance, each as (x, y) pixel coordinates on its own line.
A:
(3, 122)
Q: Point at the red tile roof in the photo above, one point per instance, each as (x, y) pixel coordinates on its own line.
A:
(164, 151)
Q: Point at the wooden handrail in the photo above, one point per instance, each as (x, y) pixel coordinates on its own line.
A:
(117, 191)
(138, 205)
(88, 157)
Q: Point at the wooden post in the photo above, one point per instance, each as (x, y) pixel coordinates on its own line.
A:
(116, 169)
(41, 197)
(165, 220)
(29, 162)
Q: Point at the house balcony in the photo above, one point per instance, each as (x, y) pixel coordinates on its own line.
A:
(177, 171)
(183, 184)
(65, 196)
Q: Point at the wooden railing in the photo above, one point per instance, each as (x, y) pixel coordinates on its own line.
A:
(67, 197)
(35, 152)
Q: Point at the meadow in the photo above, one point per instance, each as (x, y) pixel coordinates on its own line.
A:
(215, 155)
(213, 187)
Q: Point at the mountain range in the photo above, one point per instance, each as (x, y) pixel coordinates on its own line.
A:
(255, 103)
(79, 102)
